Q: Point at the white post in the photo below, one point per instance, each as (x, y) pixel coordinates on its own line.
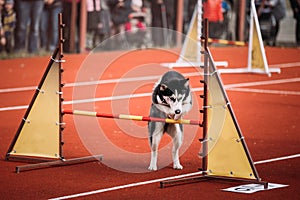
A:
(199, 29)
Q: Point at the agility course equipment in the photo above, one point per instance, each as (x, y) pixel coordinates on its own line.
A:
(257, 60)
(190, 53)
(224, 151)
(132, 117)
(39, 136)
(227, 42)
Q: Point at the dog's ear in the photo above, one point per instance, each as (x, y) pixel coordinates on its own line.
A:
(163, 87)
(187, 82)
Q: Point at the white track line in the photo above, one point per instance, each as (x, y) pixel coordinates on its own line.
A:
(285, 65)
(14, 108)
(129, 185)
(19, 89)
(265, 91)
(88, 83)
(259, 83)
(159, 180)
(277, 159)
(110, 98)
(227, 87)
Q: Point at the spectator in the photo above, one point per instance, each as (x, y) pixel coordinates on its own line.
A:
(295, 4)
(212, 10)
(120, 9)
(279, 11)
(93, 20)
(9, 23)
(163, 16)
(136, 6)
(105, 20)
(2, 37)
(98, 20)
(49, 24)
(29, 12)
(71, 31)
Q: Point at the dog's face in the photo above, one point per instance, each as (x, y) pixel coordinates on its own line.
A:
(173, 94)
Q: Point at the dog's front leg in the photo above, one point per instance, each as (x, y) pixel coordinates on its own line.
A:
(177, 141)
(153, 162)
(156, 137)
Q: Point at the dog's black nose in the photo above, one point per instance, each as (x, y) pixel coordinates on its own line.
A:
(177, 111)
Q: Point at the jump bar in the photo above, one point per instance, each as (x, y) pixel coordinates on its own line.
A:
(132, 117)
(229, 42)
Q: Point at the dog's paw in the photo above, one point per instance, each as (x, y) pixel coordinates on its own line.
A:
(152, 168)
(177, 166)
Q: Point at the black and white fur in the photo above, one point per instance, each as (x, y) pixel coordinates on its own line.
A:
(171, 98)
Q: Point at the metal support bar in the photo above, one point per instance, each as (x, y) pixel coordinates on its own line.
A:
(204, 177)
(56, 163)
(59, 57)
(180, 181)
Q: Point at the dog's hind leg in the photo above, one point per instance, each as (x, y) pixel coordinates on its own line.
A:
(156, 133)
(175, 131)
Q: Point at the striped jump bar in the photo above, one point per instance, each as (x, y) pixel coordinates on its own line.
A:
(221, 41)
(132, 117)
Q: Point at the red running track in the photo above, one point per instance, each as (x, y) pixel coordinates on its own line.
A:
(267, 109)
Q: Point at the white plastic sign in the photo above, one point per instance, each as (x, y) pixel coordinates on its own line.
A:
(251, 188)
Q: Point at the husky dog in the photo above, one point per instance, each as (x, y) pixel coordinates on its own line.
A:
(171, 98)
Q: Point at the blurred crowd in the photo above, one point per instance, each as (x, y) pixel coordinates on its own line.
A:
(31, 26)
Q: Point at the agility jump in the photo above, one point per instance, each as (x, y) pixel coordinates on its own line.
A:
(257, 59)
(227, 42)
(33, 142)
(132, 117)
(224, 151)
